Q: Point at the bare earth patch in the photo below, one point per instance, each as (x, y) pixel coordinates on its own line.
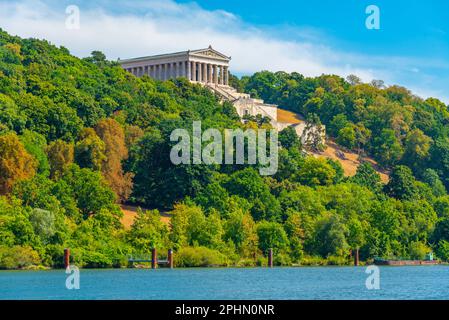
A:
(130, 214)
(289, 116)
(349, 160)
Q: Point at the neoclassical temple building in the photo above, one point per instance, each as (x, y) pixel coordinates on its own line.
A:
(210, 68)
(203, 65)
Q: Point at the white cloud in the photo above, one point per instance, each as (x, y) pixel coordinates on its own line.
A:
(141, 28)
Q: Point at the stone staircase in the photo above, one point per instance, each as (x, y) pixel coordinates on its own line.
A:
(243, 102)
(228, 93)
(245, 105)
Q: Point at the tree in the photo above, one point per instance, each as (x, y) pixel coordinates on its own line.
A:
(347, 137)
(272, 235)
(240, 228)
(289, 138)
(431, 177)
(288, 164)
(402, 184)
(339, 171)
(11, 117)
(248, 184)
(15, 162)
(98, 58)
(60, 155)
(89, 189)
(379, 84)
(132, 135)
(417, 146)
(356, 233)
(115, 152)
(388, 149)
(212, 231)
(421, 219)
(148, 232)
(338, 122)
(368, 177)
(179, 224)
(440, 158)
(443, 250)
(312, 136)
(43, 222)
(35, 144)
(418, 250)
(315, 172)
(157, 181)
(89, 150)
(330, 236)
(362, 136)
(295, 232)
(37, 193)
(190, 227)
(353, 80)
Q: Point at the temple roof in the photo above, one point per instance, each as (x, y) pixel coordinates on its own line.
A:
(206, 52)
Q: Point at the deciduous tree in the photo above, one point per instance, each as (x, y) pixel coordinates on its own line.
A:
(113, 136)
(15, 162)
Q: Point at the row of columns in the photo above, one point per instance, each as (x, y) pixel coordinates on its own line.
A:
(194, 71)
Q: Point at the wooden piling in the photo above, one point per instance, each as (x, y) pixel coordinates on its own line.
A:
(153, 258)
(270, 258)
(170, 258)
(66, 258)
(356, 257)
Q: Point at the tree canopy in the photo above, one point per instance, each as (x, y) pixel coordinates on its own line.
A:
(80, 136)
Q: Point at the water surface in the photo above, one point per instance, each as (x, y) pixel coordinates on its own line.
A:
(426, 282)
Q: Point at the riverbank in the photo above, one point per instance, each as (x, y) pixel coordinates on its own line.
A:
(208, 263)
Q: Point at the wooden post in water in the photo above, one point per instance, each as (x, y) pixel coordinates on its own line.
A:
(356, 257)
(170, 258)
(153, 258)
(66, 258)
(270, 258)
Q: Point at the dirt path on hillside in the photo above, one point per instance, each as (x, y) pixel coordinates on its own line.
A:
(349, 160)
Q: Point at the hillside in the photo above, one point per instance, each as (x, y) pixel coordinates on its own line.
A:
(389, 124)
(79, 137)
(349, 160)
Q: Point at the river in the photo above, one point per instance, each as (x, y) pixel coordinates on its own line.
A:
(420, 282)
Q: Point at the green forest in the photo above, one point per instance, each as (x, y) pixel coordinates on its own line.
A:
(79, 137)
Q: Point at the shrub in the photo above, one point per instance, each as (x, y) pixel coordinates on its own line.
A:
(246, 262)
(418, 250)
(199, 257)
(337, 261)
(312, 261)
(443, 250)
(18, 257)
(282, 259)
(88, 258)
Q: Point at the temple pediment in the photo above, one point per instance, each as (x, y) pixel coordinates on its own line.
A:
(210, 53)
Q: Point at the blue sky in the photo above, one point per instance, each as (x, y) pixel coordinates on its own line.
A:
(311, 37)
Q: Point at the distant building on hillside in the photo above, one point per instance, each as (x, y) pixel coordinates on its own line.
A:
(202, 65)
(209, 68)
